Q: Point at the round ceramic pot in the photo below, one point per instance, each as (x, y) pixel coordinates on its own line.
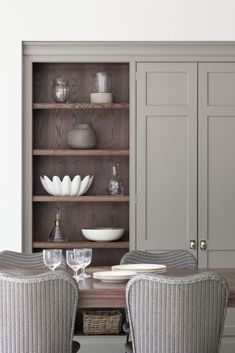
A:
(82, 136)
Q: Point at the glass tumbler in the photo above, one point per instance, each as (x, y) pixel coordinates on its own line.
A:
(52, 258)
(102, 82)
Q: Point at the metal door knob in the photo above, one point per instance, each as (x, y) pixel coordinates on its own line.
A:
(192, 244)
(203, 245)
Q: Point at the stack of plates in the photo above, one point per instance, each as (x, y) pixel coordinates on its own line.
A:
(122, 273)
(114, 276)
(140, 268)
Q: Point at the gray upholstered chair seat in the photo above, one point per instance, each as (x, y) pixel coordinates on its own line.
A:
(181, 314)
(37, 313)
(12, 259)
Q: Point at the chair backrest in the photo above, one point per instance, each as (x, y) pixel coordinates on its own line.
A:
(15, 259)
(176, 314)
(37, 314)
(172, 258)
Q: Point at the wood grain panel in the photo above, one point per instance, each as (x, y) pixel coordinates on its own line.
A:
(50, 130)
(79, 215)
(51, 127)
(80, 77)
(83, 215)
(99, 167)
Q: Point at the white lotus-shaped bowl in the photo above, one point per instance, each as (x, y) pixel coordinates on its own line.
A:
(67, 187)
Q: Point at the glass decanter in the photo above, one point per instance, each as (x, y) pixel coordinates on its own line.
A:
(60, 90)
(115, 186)
(57, 233)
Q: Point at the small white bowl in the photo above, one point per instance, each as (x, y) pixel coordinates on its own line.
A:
(103, 234)
(67, 187)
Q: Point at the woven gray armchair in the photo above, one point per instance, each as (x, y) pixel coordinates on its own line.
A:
(15, 259)
(180, 315)
(37, 313)
(172, 258)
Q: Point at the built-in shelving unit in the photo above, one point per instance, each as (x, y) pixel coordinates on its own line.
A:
(51, 156)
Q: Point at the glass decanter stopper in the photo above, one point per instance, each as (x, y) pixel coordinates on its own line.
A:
(115, 186)
(57, 233)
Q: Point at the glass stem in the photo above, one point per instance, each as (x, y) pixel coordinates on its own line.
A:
(83, 270)
(75, 273)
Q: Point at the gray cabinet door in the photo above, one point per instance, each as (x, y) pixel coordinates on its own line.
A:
(216, 164)
(166, 210)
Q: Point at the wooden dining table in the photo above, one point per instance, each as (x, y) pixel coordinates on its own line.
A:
(94, 293)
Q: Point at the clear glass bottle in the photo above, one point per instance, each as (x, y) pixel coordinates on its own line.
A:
(60, 90)
(115, 186)
(57, 233)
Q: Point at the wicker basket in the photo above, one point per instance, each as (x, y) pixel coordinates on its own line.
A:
(102, 322)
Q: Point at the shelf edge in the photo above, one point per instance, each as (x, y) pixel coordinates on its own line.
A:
(82, 244)
(45, 198)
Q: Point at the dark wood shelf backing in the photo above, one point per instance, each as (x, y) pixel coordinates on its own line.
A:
(80, 245)
(52, 156)
(80, 106)
(99, 198)
(74, 152)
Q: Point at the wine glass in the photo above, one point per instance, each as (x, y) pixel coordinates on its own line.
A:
(52, 258)
(75, 259)
(87, 261)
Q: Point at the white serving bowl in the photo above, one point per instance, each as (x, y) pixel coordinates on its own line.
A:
(67, 187)
(103, 234)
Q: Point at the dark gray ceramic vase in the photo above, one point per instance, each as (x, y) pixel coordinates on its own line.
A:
(82, 136)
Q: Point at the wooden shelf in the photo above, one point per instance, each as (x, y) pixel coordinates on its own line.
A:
(100, 198)
(77, 106)
(80, 245)
(74, 152)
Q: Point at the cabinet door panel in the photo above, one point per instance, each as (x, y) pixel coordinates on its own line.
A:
(217, 164)
(221, 87)
(166, 88)
(166, 174)
(166, 155)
